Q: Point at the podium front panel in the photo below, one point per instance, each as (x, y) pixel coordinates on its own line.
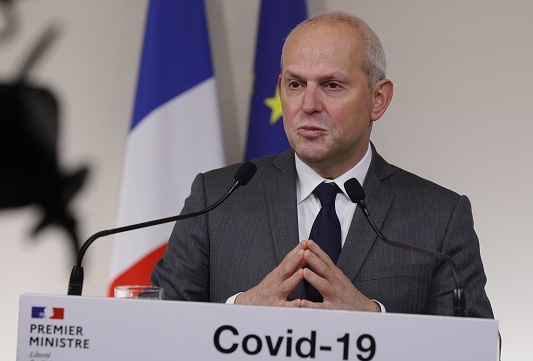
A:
(72, 328)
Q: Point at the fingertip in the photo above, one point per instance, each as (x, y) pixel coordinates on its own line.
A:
(308, 304)
(308, 255)
(297, 302)
(307, 274)
(298, 275)
(299, 255)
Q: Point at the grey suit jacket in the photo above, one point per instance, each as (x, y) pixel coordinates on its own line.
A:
(232, 248)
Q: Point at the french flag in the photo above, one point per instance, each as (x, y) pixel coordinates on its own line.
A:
(54, 313)
(175, 133)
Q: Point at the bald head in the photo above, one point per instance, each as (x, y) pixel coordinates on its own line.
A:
(371, 52)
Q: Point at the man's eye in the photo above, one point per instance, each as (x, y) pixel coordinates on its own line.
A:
(294, 84)
(333, 85)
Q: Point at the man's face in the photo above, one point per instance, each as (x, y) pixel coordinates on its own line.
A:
(326, 101)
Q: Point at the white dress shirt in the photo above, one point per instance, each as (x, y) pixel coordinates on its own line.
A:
(309, 205)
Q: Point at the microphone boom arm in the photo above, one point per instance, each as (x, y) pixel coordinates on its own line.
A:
(459, 302)
(243, 175)
(154, 222)
(357, 195)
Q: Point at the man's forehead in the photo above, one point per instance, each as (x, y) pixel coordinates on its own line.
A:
(332, 47)
(323, 39)
(328, 29)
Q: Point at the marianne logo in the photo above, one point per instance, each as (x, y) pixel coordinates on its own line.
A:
(53, 313)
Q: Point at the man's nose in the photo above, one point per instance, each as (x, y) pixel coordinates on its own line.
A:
(311, 101)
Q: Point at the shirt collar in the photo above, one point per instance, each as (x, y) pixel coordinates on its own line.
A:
(308, 179)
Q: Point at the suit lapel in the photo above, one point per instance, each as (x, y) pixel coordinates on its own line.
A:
(361, 237)
(280, 198)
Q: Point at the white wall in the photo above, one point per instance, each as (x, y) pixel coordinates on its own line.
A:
(461, 116)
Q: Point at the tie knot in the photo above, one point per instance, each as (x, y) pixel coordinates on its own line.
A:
(326, 193)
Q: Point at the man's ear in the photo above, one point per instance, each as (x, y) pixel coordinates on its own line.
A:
(382, 96)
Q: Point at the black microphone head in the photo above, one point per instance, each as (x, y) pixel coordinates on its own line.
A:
(245, 172)
(354, 190)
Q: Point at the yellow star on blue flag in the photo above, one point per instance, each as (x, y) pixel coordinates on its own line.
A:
(275, 107)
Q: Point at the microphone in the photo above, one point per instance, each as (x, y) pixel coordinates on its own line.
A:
(243, 175)
(357, 195)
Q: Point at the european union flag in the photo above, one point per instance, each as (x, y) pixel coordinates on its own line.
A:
(265, 130)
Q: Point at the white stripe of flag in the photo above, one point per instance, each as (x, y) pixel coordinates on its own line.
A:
(175, 134)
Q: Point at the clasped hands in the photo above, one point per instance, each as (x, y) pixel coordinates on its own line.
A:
(337, 290)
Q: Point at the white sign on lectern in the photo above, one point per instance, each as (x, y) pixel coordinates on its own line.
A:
(72, 328)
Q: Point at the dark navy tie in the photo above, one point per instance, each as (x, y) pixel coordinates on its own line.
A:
(326, 230)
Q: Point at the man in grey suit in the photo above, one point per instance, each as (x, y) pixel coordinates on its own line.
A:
(253, 249)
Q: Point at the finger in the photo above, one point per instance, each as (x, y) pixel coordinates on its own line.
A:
(310, 276)
(294, 303)
(319, 252)
(292, 261)
(310, 304)
(319, 265)
(323, 277)
(321, 284)
(289, 284)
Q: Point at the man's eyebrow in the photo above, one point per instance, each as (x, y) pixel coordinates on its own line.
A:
(333, 75)
(291, 74)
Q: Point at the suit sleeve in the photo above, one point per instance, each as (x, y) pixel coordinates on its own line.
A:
(183, 272)
(462, 245)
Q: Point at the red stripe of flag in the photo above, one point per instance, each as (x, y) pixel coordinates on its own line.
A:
(139, 273)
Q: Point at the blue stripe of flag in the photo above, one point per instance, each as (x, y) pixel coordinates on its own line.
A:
(37, 312)
(175, 54)
(277, 18)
